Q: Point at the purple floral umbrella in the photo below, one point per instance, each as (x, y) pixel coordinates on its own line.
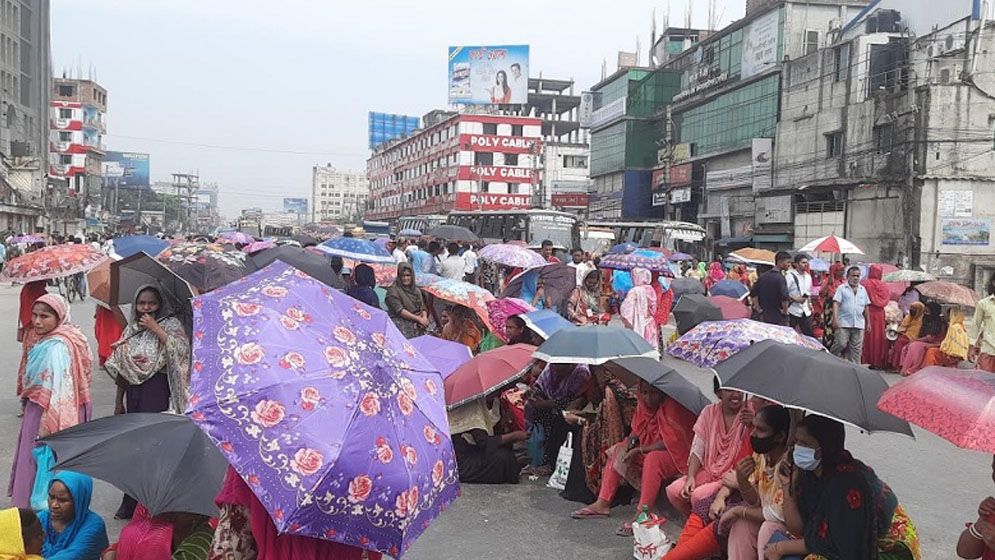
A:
(446, 355)
(514, 256)
(333, 419)
(712, 342)
(621, 261)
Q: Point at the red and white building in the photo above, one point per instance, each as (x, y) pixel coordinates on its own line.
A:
(77, 127)
(459, 162)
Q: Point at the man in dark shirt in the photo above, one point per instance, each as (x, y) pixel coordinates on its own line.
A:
(770, 293)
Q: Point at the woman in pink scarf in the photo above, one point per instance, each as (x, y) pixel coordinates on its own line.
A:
(715, 275)
(56, 369)
(639, 308)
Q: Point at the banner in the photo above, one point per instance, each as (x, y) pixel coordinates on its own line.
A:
(608, 113)
(125, 170)
(503, 144)
(760, 44)
(495, 75)
(729, 178)
(763, 153)
(586, 110)
(965, 231)
(295, 205)
(487, 201)
(498, 173)
(570, 200)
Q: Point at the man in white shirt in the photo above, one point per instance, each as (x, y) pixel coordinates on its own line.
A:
(799, 292)
(398, 251)
(453, 266)
(582, 267)
(470, 258)
(519, 85)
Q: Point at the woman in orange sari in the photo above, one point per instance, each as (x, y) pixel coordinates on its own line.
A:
(955, 345)
(460, 327)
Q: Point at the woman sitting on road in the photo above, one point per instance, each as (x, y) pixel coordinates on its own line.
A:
(978, 539)
(21, 535)
(584, 304)
(931, 334)
(482, 455)
(72, 530)
(955, 346)
(460, 327)
(364, 281)
(169, 536)
(908, 331)
(558, 388)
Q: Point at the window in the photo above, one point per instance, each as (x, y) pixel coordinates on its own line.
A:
(65, 136)
(490, 128)
(884, 137)
(841, 63)
(945, 76)
(485, 186)
(834, 145)
(482, 158)
(66, 159)
(516, 130)
(511, 159)
(574, 162)
(811, 41)
(66, 91)
(65, 113)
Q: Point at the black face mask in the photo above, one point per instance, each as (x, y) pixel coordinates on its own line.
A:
(763, 444)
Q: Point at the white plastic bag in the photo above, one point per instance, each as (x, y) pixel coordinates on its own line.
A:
(651, 543)
(558, 480)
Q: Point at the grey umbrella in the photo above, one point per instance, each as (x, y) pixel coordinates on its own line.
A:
(593, 345)
(693, 310)
(813, 381)
(666, 379)
(162, 460)
(452, 233)
(131, 273)
(685, 286)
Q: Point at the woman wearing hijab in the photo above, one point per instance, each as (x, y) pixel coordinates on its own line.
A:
(483, 456)
(741, 274)
(908, 331)
(405, 303)
(837, 275)
(715, 274)
(72, 530)
(168, 536)
(875, 352)
(931, 334)
(57, 370)
(955, 345)
(461, 328)
(639, 308)
(584, 303)
(21, 536)
(364, 280)
(150, 364)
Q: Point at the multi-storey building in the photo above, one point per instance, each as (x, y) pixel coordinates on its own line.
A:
(76, 148)
(337, 195)
(458, 162)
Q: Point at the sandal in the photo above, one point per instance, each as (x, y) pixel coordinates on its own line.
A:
(588, 513)
(624, 530)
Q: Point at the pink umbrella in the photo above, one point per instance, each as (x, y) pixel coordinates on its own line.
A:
(257, 246)
(500, 309)
(486, 372)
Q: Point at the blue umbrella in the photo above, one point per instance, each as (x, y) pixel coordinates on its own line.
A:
(356, 249)
(732, 288)
(545, 322)
(127, 246)
(623, 248)
(593, 345)
(409, 233)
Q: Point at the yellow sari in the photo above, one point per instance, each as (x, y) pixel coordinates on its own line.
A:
(11, 540)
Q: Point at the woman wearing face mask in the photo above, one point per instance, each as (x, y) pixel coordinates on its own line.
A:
(839, 506)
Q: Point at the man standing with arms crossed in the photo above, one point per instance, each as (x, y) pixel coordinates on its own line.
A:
(850, 316)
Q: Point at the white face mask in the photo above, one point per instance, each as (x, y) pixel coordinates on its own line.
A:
(805, 459)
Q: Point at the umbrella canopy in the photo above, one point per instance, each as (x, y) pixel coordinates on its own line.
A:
(162, 460)
(811, 380)
(357, 250)
(694, 309)
(715, 341)
(445, 355)
(257, 246)
(410, 232)
(686, 286)
(465, 294)
(622, 248)
(753, 256)
(498, 311)
(818, 265)
(381, 242)
(907, 275)
(546, 322)
(593, 345)
(678, 257)
(515, 256)
(206, 266)
(487, 372)
(452, 233)
(559, 281)
(666, 379)
(948, 292)
(731, 288)
(305, 240)
(130, 274)
(387, 273)
(656, 263)
(832, 244)
(133, 244)
(50, 262)
(957, 405)
(317, 266)
(731, 308)
(98, 282)
(336, 422)
(236, 237)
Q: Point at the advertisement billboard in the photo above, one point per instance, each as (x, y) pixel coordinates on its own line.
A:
(570, 200)
(386, 126)
(496, 75)
(763, 150)
(498, 173)
(965, 231)
(295, 205)
(126, 170)
(503, 144)
(485, 201)
(760, 44)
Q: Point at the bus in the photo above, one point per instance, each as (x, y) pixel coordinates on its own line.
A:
(596, 240)
(420, 223)
(676, 236)
(531, 226)
(376, 229)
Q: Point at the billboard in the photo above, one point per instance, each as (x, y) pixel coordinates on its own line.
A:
(498, 173)
(497, 75)
(486, 201)
(295, 205)
(965, 231)
(385, 127)
(503, 144)
(127, 170)
(760, 44)
(763, 149)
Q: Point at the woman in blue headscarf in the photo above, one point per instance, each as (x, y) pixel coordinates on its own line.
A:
(72, 531)
(533, 290)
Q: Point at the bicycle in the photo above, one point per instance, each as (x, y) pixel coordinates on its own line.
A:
(71, 287)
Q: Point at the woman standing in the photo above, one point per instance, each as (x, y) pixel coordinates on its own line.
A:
(584, 303)
(836, 278)
(639, 308)
(405, 303)
(716, 274)
(57, 370)
(875, 352)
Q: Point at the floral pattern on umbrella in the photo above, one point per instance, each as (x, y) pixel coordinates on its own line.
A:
(206, 266)
(515, 256)
(619, 261)
(712, 342)
(334, 420)
(465, 294)
(55, 261)
(948, 292)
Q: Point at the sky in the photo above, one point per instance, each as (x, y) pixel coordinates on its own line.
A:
(252, 94)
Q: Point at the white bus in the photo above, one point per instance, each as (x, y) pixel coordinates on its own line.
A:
(676, 236)
(420, 223)
(531, 226)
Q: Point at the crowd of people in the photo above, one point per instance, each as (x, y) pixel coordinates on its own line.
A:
(747, 477)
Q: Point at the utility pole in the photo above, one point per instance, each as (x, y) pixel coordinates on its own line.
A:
(668, 157)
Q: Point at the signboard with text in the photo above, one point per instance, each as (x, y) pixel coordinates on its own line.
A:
(125, 170)
(487, 201)
(760, 44)
(729, 178)
(498, 173)
(494, 75)
(570, 200)
(503, 144)
(763, 153)
(295, 205)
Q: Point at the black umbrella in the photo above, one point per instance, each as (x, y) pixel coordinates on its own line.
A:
(811, 380)
(452, 233)
(162, 460)
(317, 266)
(693, 310)
(131, 273)
(686, 286)
(666, 379)
(305, 240)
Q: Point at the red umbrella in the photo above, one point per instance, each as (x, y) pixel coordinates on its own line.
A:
(731, 308)
(50, 262)
(957, 405)
(487, 372)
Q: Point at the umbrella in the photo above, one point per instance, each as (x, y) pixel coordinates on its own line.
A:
(465, 294)
(818, 265)
(29, 239)
(130, 274)
(714, 341)
(305, 240)
(98, 282)
(236, 237)
(593, 345)
(831, 244)
(515, 256)
(257, 246)
(546, 323)
(487, 372)
(50, 262)
(445, 355)
(160, 459)
(811, 380)
(452, 233)
(498, 311)
(381, 242)
(206, 266)
(666, 379)
(134, 244)
(334, 420)
(948, 292)
(357, 250)
(622, 248)
(410, 232)
(686, 286)
(559, 281)
(907, 275)
(678, 257)
(753, 256)
(657, 263)
(731, 288)
(387, 273)
(731, 308)
(694, 309)
(317, 266)
(957, 405)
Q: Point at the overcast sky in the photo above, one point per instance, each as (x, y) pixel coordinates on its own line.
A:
(251, 94)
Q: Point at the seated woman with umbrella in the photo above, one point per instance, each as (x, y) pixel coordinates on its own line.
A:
(484, 454)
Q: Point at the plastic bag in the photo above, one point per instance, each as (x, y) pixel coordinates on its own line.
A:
(559, 478)
(650, 542)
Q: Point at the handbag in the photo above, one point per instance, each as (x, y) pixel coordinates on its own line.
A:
(649, 540)
(558, 480)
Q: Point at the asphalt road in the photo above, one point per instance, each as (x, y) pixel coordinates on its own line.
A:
(939, 484)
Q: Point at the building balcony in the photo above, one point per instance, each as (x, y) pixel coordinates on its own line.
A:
(95, 124)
